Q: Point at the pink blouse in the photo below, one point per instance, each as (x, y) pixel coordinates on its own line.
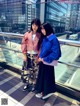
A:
(28, 44)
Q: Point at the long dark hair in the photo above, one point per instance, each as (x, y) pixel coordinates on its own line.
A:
(40, 41)
(37, 22)
(48, 28)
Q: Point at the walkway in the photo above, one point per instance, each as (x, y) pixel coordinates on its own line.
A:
(11, 93)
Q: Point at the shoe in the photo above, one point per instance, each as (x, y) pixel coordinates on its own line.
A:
(25, 88)
(33, 88)
(47, 96)
(39, 95)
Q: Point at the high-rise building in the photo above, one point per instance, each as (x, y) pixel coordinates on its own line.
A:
(78, 20)
(74, 15)
(18, 13)
(21, 12)
(55, 13)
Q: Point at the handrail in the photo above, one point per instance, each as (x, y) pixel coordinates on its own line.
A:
(69, 64)
(69, 42)
(6, 34)
(62, 41)
(66, 63)
(10, 49)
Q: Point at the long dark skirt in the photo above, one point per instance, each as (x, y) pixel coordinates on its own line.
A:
(46, 79)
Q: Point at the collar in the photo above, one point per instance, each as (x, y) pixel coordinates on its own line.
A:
(37, 34)
(51, 37)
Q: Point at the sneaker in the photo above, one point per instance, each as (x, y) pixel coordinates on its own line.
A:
(47, 96)
(39, 95)
(33, 88)
(25, 88)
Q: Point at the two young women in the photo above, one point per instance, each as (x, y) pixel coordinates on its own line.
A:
(49, 51)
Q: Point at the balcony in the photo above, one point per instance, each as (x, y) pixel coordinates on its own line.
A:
(66, 74)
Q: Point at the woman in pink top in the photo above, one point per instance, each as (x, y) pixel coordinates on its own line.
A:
(30, 49)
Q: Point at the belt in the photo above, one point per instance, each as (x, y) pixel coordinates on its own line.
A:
(32, 52)
(31, 55)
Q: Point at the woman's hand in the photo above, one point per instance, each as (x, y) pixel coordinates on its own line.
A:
(40, 60)
(24, 57)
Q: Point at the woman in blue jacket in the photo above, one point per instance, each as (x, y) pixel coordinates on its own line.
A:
(50, 51)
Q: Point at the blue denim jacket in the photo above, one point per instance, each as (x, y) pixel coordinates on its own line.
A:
(50, 49)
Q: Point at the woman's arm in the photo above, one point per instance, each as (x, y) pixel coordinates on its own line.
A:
(55, 53)
(24, 46)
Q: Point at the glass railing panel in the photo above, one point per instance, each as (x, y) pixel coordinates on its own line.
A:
(10, 50)
(69, 53)
(74, 80)
(2, 56)
(68, 75)
(11, 57)
(68, 65)
(8, 40)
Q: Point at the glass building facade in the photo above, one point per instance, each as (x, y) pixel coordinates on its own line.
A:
(75, 16)
(13, 13)
(56, 14)
(16, 15)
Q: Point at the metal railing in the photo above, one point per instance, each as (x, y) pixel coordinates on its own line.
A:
(62, 42)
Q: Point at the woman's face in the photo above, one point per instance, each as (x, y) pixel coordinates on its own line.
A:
(43, 31)
(34, 27)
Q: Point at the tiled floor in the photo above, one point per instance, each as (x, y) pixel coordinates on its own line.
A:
(7, 100)
(11, 93)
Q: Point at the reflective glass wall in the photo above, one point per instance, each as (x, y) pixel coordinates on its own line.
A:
(16, 15)
(56, 15)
